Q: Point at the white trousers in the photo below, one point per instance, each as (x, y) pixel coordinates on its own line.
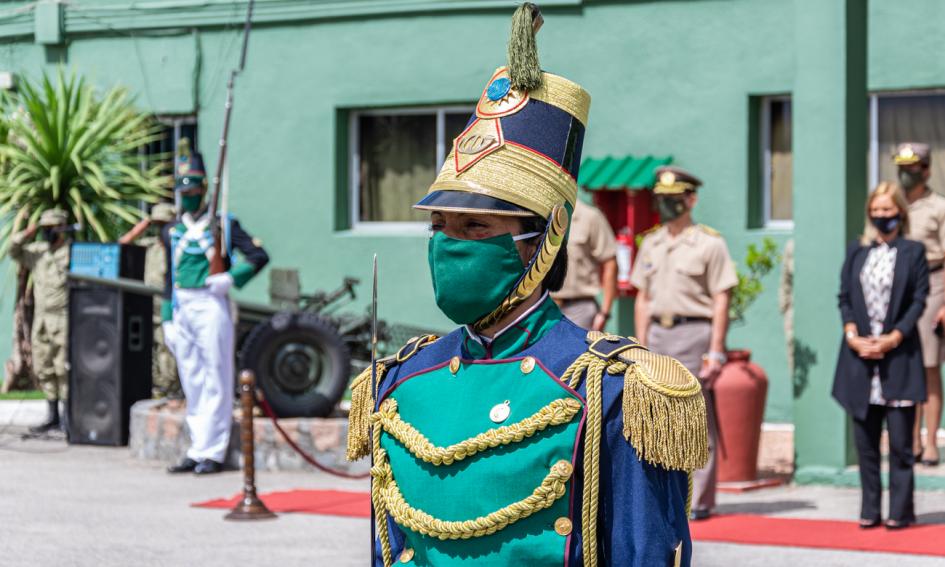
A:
(203, 347)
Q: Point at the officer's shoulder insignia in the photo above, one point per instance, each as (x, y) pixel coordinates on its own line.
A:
(362, 396)
(651, 230)
(709, 230)
(664, 414)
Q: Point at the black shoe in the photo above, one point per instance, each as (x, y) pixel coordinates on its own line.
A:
(208, 466)
(898, 524)
(52, 419)
(698, 515)
(869, 524)
(187, 465)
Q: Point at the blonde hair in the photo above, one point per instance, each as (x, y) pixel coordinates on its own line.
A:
(895, 191)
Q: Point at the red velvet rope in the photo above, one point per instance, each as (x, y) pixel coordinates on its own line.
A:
(308, 458)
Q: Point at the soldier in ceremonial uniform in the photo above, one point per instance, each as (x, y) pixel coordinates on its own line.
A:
(198, 325)
(163, 366)
(685, 277)
(520, 438)
(48, 262)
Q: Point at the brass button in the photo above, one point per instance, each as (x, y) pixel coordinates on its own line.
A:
(177, 285)
(528, 364)
(406, 555)
(454, 364)
(563, 468)
(563, 526)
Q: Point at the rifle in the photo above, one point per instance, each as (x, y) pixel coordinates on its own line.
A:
(216, 261)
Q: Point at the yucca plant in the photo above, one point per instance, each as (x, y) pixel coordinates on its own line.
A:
(68, 146)
(62, 144)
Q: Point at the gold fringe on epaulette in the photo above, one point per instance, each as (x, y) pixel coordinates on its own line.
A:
(667, 427)
(359, 416)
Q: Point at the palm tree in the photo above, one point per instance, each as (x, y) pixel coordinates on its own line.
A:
(63, 144)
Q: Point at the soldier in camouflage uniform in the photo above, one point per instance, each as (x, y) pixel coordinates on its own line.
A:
(163, 366)
(48, 260)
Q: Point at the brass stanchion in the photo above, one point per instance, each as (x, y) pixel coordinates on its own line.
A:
(250, 507)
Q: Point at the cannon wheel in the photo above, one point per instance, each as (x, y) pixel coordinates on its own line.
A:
(301, 363)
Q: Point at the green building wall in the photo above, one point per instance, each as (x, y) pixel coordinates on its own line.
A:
(667, 78)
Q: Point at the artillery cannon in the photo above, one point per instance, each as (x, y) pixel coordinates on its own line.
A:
(303, 348)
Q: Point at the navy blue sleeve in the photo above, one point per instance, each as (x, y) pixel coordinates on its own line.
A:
(168, 268)
(919, 272)
(254, 253)
(642, 506)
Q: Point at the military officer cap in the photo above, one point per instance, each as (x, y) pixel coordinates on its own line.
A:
(53, 217)
(162, 212)
(909, 153)
(189, 173)
(520, 152)
(672, 180)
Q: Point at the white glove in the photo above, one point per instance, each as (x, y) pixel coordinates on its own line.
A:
(220, 284)
(170, 334)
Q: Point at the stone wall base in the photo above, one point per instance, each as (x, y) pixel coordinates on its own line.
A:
(159, 433)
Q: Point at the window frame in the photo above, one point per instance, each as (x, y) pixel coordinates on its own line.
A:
(874, 157)
(765, 152)
(175, 121)
(354, 161)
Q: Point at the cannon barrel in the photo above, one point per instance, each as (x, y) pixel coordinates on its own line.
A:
(248, 310)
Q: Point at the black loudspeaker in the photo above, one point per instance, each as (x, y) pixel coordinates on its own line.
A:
(110, 335)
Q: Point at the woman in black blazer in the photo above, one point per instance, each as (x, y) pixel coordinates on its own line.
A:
(880, 375)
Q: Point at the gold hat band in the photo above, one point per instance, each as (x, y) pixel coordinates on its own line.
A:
(513, 174)
(565, 94)
(900, 160)
(674, 189)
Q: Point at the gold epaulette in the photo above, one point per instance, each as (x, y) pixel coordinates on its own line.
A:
(664, 415)
(362, 396)
(709, 230)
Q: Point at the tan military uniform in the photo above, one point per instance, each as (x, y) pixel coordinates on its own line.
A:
(680, 275)
(927, 225)
(590, 244)
(163, 365)
(49, 270)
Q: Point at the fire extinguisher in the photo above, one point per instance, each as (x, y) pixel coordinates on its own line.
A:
(625, 247)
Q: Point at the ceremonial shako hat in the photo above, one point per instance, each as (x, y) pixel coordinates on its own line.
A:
(162, 212)
(520, 152)
(909, 153)
(189, 172)
(672, 180)
(53, 217)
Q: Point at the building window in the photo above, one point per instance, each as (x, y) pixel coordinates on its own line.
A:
(906, 117)
(777, 162)
(395, 156)
(173, 128)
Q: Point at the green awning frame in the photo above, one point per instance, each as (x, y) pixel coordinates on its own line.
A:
(620, 173)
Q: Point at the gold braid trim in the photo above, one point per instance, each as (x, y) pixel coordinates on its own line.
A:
(550, 490)
(359, 416)
(595, 421)
(555, 413)
(380, 476)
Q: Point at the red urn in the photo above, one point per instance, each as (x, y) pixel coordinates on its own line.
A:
(740, 392)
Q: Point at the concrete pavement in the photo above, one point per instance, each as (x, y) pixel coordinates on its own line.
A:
(63, 506)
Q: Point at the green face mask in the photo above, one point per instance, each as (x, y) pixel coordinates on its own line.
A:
(471, 277)
(191, 203)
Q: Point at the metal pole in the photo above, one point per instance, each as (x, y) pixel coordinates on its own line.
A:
(250, 507)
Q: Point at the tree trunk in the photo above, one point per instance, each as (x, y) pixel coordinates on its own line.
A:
(18, 368)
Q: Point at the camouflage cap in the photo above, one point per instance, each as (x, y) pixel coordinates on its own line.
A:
(53, 217)
(672, 180)
(909, 153)
(163, 212)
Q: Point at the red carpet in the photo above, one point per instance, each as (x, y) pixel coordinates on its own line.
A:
(736, 528)
(928, 539)
(327, 502)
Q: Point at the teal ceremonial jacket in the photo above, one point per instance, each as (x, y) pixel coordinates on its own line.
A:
(481, 449)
